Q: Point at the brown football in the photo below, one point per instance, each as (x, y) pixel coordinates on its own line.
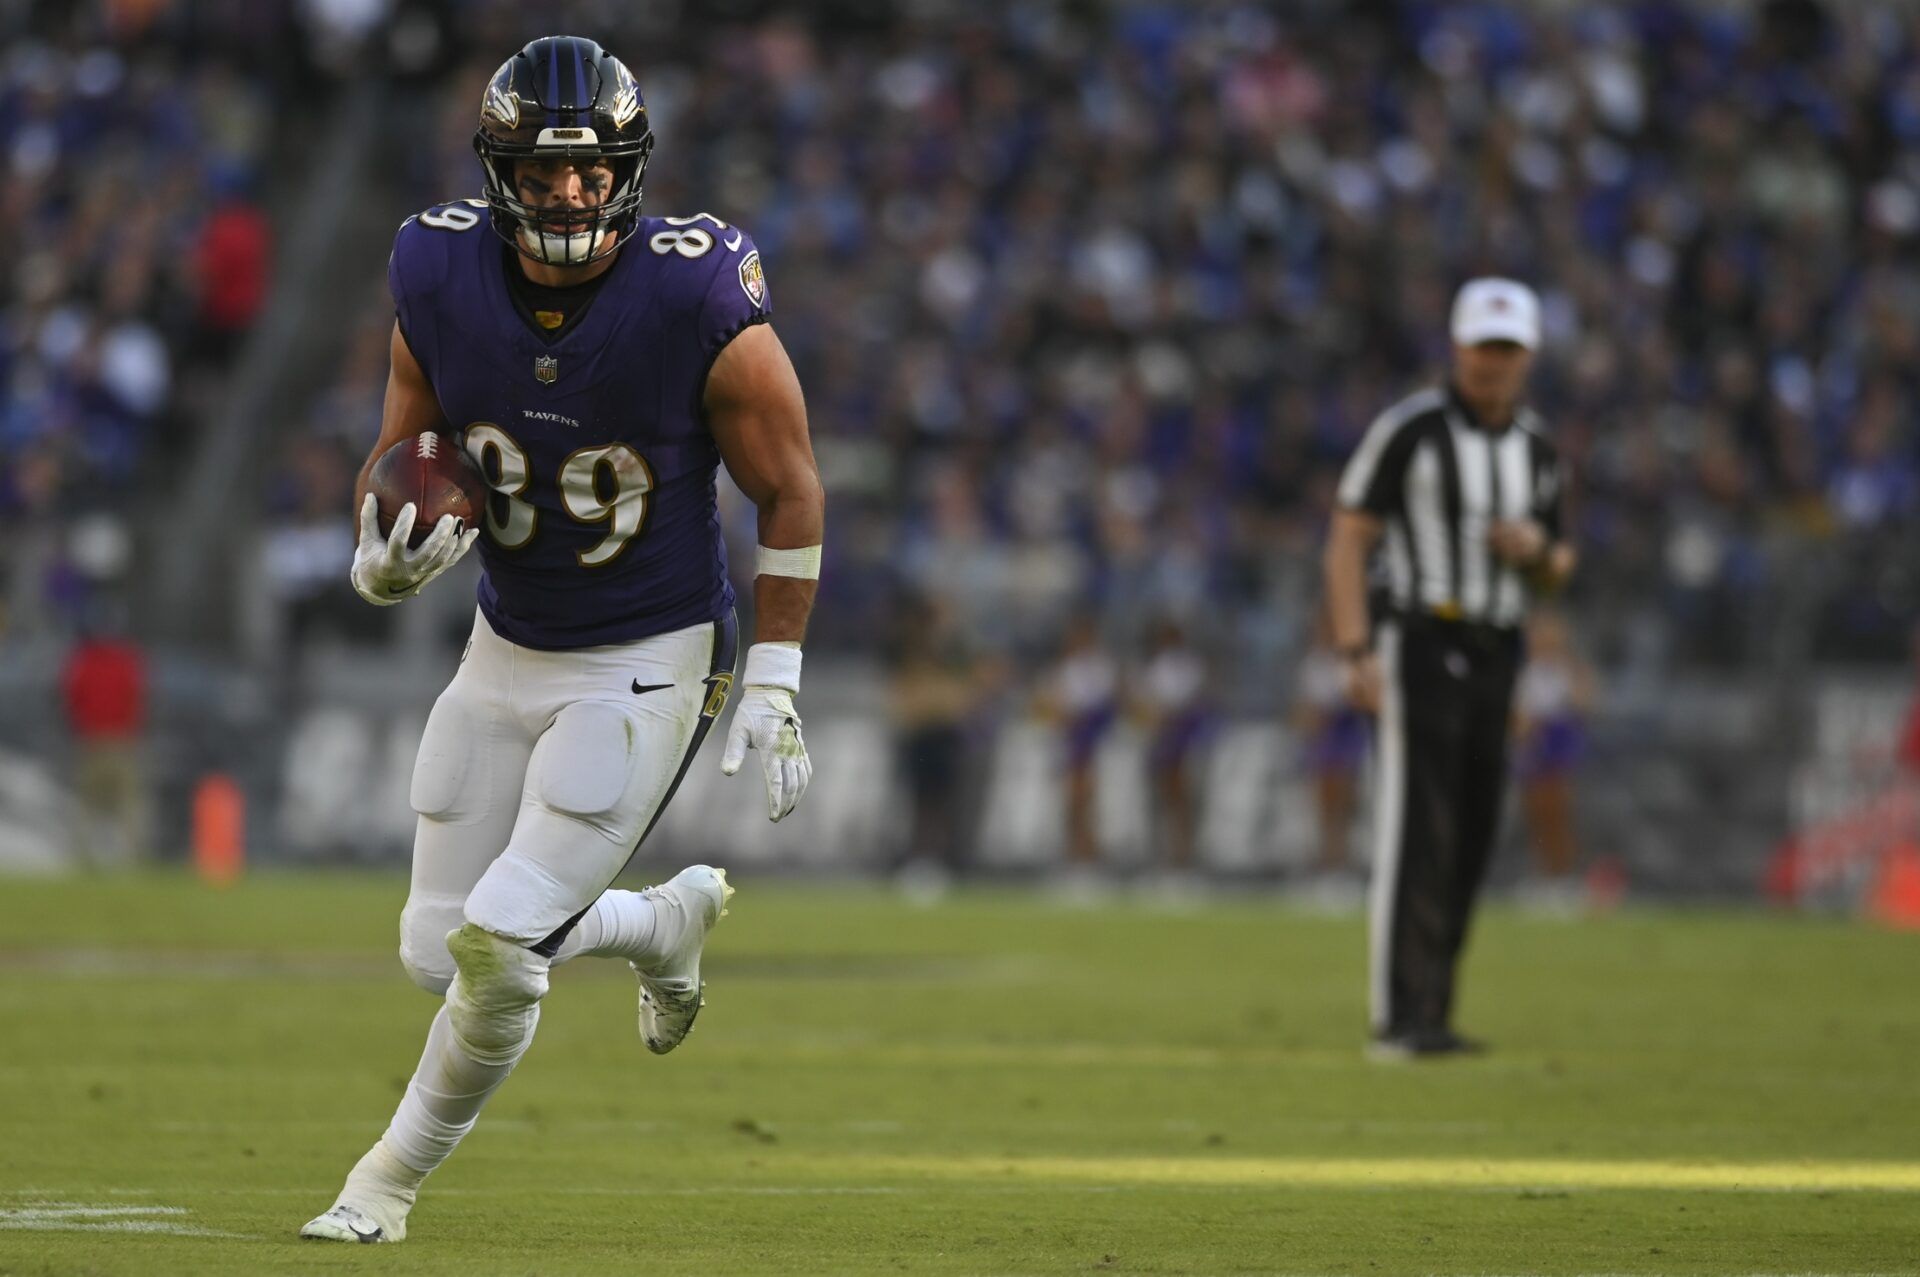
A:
(431, 471)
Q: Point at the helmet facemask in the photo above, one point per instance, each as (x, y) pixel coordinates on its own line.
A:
(564, 235)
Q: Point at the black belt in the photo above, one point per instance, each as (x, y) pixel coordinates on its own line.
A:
(1444, 620)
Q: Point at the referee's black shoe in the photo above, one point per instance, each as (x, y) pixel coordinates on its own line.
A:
(1422, 1044)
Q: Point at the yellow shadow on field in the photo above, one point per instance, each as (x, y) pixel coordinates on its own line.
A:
(1470, 1173)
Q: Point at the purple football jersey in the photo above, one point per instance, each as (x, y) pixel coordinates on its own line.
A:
(602, 527)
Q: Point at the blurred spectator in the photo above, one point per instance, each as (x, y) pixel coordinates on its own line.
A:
(104, 685)
(935, 695)
(1556, 693)
(1080, 696)
(1908, 751)
(1172, 700)
(307, 552)
(1334, 737)
(231, 258)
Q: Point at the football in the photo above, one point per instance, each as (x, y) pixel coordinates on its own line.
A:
(433, 472)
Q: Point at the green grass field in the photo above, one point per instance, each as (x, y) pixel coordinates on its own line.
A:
(991, 1086)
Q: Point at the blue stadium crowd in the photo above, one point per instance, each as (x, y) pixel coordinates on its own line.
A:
(1091, 303)
(134, 139)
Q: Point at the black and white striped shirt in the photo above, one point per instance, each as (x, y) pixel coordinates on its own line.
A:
(1438, 480)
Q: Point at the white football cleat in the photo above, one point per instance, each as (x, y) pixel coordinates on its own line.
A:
(670, 989)
(373, 1205)
(346, 1223)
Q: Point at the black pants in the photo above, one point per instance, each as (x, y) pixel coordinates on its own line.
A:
(1444, 722)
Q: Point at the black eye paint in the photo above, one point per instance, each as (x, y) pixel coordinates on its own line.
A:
(597, 179)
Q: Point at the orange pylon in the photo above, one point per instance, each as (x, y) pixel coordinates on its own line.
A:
(1895, 896)
(219, 829)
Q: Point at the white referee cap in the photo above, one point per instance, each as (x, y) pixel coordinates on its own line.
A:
(1494, 309)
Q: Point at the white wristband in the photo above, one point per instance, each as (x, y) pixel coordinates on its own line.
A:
(803, 563)
(773, 665)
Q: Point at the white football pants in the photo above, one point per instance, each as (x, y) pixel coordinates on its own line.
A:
(538, 775)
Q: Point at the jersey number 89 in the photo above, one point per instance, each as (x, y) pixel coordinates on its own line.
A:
(608, 484)
(454, 217)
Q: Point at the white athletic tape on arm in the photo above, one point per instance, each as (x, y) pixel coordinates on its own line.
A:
(803, 563)
(773, 665)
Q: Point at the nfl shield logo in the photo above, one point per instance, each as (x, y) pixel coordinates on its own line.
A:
(545, 369)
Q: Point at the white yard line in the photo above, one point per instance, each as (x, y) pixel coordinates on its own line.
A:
(56, 1216)
(81, 1210)
(115, 1226)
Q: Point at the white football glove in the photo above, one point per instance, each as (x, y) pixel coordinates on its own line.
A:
(385, 571)
(765, 720)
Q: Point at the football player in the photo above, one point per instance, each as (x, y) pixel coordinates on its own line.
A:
(599, 365)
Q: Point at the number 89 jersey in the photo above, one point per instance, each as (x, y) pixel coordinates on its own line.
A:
(602, 527)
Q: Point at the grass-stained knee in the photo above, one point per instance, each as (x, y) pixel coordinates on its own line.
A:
(494, 1001)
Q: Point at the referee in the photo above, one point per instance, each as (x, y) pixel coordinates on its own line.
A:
(1465, 491)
